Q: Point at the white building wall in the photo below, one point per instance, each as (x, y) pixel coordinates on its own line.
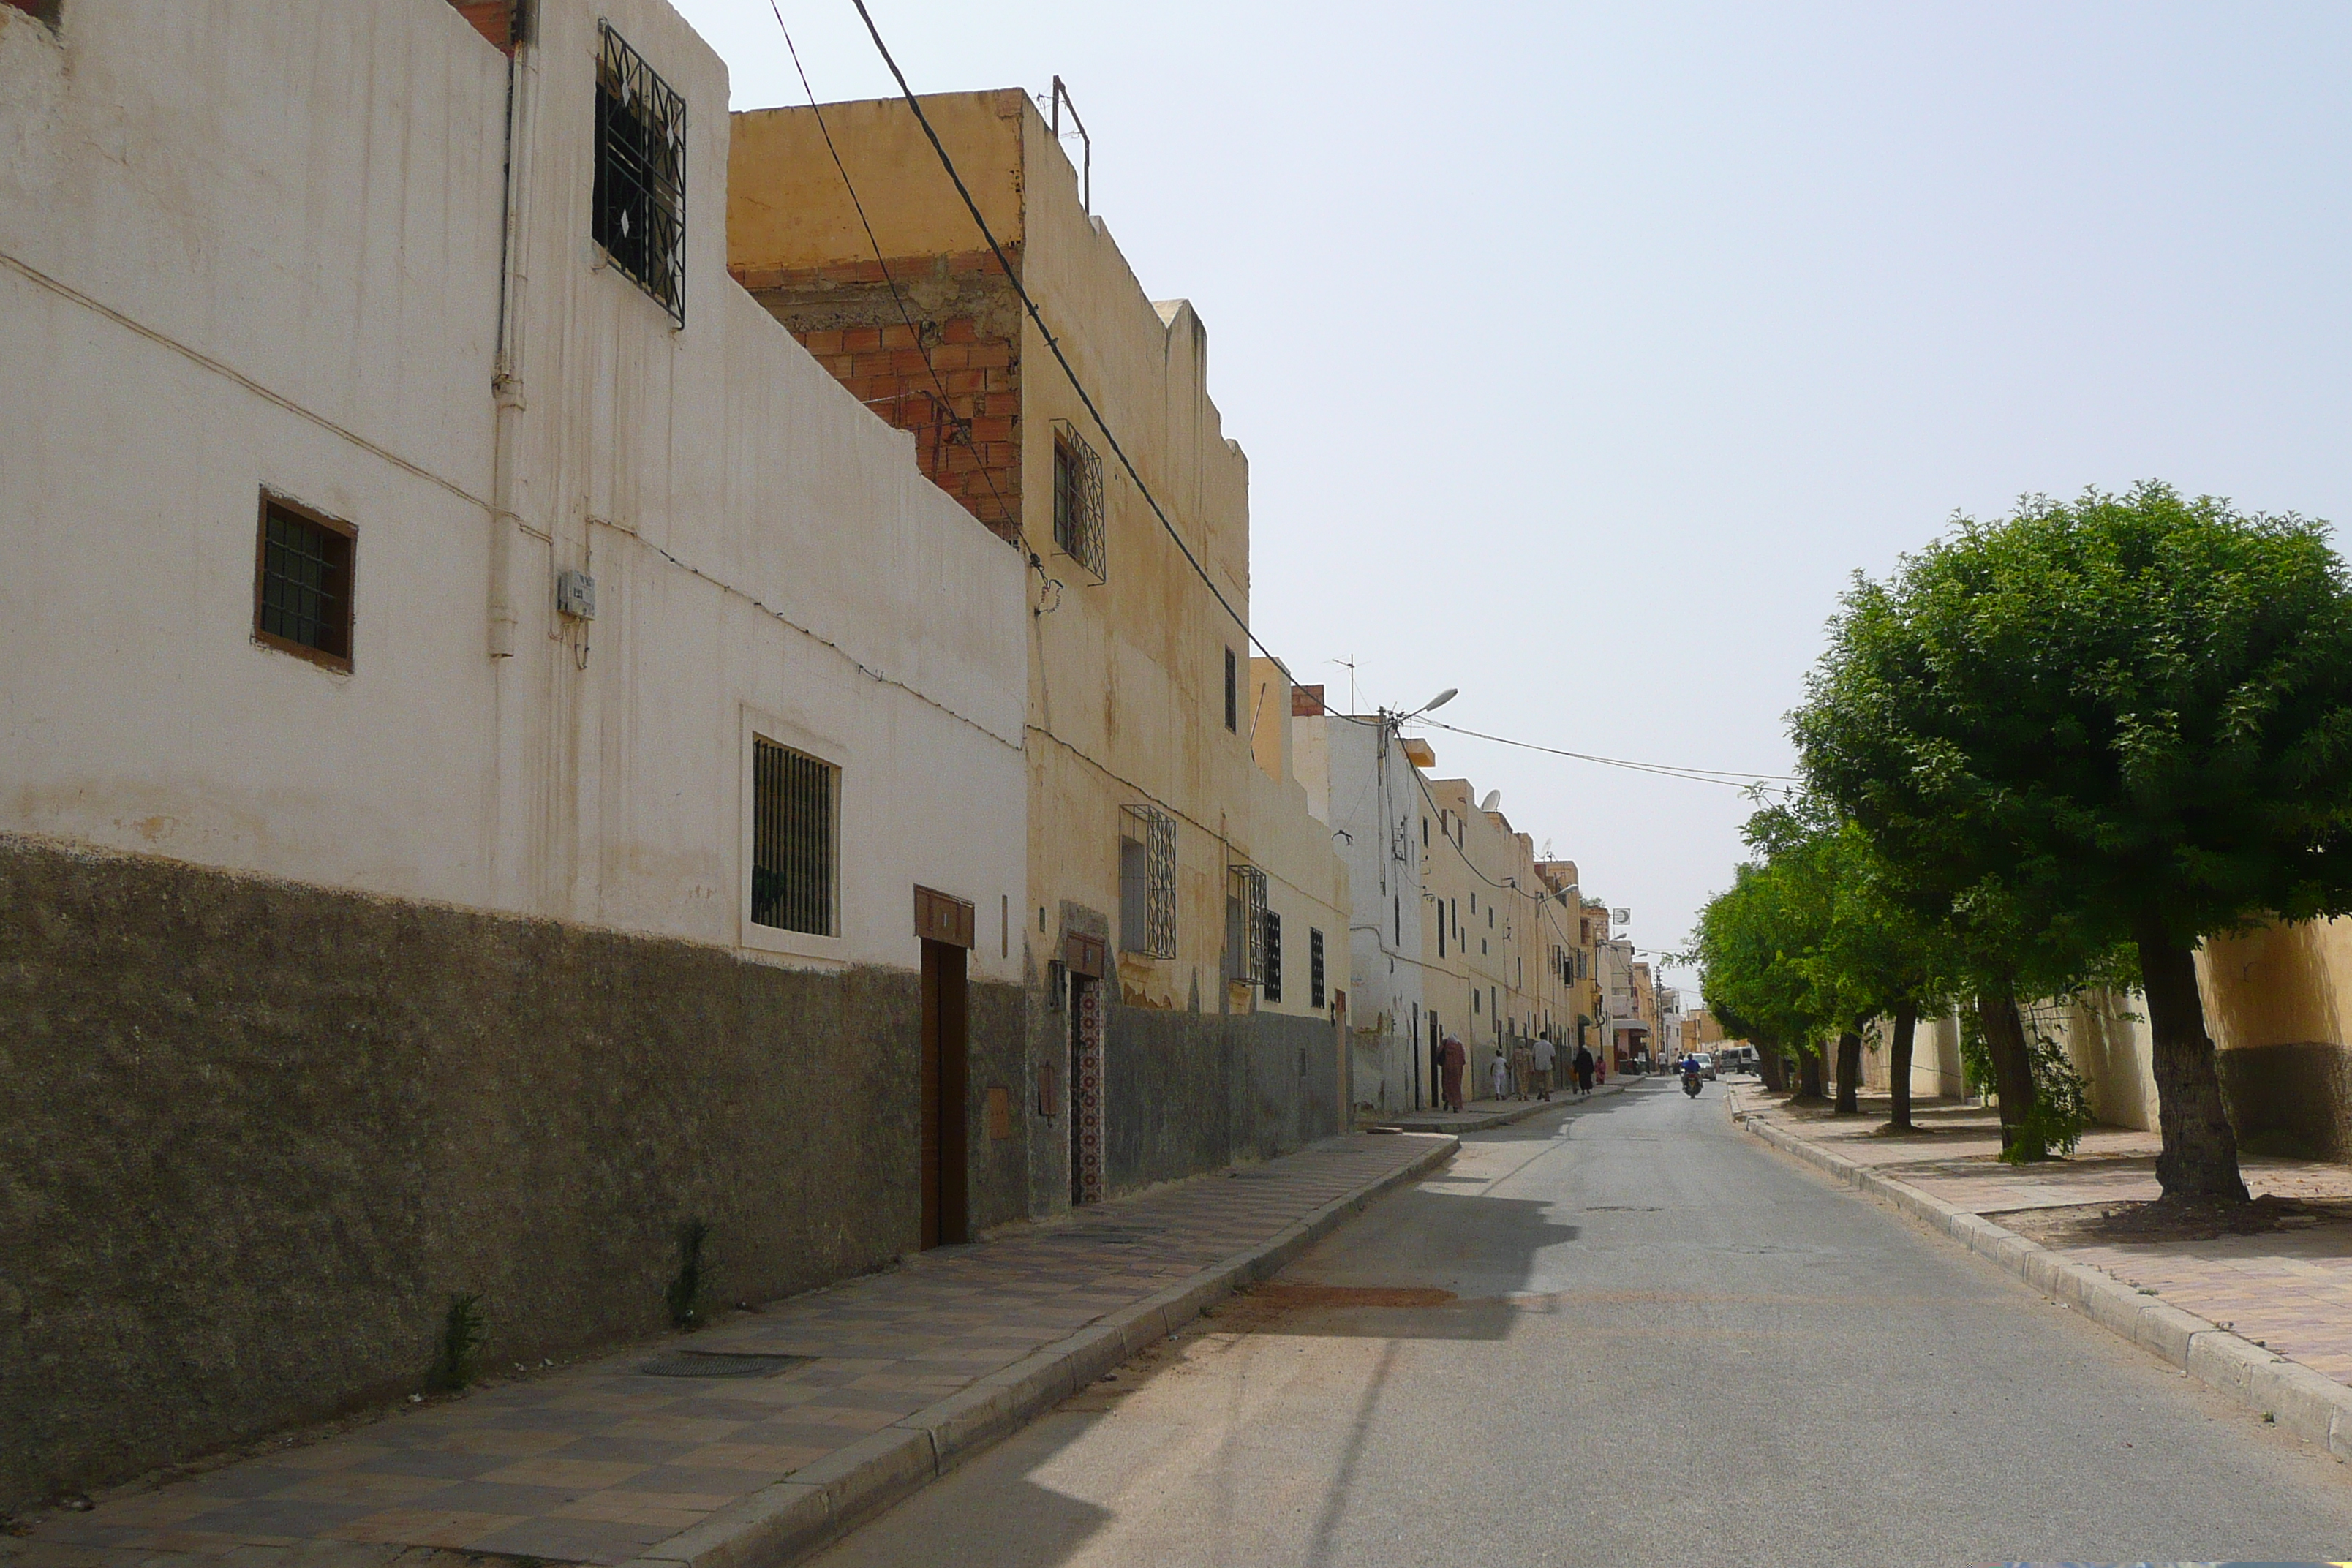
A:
(208, 291)
(1370, 801)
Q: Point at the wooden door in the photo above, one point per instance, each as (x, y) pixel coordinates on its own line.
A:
(945, 1088)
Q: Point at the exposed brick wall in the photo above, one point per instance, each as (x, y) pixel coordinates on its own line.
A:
(494, 19)
(953, 378)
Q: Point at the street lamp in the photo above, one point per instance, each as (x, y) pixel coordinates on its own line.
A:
(1440, 701)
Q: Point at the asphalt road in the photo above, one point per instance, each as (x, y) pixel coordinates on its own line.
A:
(1627, 1334)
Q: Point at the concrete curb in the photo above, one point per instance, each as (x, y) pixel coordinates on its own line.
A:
(2310, 1405)
(814, 1507)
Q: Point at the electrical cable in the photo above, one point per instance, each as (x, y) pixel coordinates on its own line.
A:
(960, 426)
(1054, 343)
(1696, 775)
(1077, 386)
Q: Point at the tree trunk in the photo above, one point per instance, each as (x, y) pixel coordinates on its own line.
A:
(1771, 1069)
(2200, 1151)
(2012, 1066)
(1849, 1073)
(1808, 1076)
(1898, 1064)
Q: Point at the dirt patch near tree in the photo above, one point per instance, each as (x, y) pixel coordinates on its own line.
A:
(2125, 1223)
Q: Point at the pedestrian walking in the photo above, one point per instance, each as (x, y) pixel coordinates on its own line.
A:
(1499, 1073)
(1451, 1061)
(1540, 1053)
(1583, 1064)
(1523, 1069)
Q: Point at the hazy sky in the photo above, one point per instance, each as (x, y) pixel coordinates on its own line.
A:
(1582, 353)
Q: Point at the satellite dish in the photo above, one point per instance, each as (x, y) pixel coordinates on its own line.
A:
(1493, 798)
(1620, 916)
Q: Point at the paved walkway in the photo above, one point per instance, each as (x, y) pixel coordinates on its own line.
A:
(600, 1462)
(2289, 1291)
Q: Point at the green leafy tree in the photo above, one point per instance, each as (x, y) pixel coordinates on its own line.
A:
(1750, 946)
(1850, 949)
(2128, 719)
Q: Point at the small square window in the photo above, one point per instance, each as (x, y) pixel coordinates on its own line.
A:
(303, 583)
(796, 844)
(638, 211)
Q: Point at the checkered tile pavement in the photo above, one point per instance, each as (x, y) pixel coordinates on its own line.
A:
(596, 1463)
(2290, 1290)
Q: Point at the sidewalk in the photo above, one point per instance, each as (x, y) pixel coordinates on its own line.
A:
(827, 1406)
(2285, 1292)
(1477, 1115)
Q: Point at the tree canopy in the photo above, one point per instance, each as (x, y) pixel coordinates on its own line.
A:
(2128, 718)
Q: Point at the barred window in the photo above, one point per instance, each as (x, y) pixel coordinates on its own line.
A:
(1077, 499)
(639, 213)
(1272, 956)
(303, 583)
(1314, 967)
(794, 843)
(1245, 924)
(1147, 881)
(1233, 693)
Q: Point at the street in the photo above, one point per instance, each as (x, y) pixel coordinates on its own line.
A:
(1627, 1334)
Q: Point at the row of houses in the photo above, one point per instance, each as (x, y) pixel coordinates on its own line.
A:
(581, 668)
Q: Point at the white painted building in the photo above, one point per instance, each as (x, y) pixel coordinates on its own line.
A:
(505, 765)
(369, 305)
(1626, 1032)
(1362, 784)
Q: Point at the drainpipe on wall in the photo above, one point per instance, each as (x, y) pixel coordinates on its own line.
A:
(506, 383)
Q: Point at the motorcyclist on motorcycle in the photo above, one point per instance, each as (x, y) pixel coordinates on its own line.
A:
(1690, 1072)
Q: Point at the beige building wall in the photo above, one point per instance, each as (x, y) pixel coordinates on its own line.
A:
(2276, 1001)
(1142, 694)
(1127, 672)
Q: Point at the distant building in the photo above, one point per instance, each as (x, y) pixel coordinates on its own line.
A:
(1362, 782)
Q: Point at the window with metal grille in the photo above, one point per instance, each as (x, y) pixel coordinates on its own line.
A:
(303, 583)
(1272, 956)
(1147, 881)
(1233, 693)
(1314, 967)
(794, 843)
(1077, 499)
(1245, 924)
(639, 213)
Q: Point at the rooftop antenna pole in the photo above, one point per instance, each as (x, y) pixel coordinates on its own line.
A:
(1087, 178)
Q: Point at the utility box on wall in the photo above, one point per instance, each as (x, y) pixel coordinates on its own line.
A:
(576, 594)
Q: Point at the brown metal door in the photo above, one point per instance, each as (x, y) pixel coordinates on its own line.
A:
(944, 1089)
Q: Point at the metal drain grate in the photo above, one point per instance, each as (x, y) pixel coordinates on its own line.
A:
(721, 1363)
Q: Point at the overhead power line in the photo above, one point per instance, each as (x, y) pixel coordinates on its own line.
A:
(1696, 776)
(945, 404)
(1054, 342)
